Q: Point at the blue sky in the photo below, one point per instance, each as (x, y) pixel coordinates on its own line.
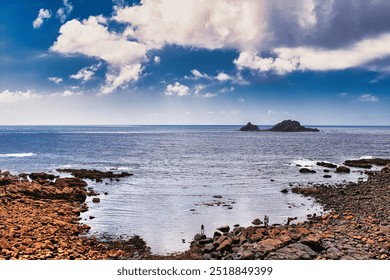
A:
(194, 62)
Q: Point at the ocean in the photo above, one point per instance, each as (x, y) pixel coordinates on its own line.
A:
(186, 176)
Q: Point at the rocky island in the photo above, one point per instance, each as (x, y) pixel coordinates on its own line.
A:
(284, 126)
(250, 127)
(291, 126)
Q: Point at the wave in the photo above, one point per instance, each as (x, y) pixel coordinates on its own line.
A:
(18, 155)
(304, 162)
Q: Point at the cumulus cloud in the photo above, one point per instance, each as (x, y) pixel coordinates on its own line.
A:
(177, 89)
(55, 80)
(86, 73)
(92, 38)
(270, 36)
(223, 77)
(368, 97)
(64, 11)
(8, 96)
(224, 23)
(304, 58)
(42, 15)
(126, 74)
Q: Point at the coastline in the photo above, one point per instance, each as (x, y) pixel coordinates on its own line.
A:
(41, 221)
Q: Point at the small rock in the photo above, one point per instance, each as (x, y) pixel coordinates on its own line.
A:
(343, 169)
(284, 191)
(306, 170)
(257, 222)
(95, 200)
(224, 229)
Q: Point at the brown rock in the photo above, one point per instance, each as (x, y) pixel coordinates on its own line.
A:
(313, 241)
(225, 245)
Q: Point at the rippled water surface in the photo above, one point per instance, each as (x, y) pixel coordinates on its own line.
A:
(179, 169)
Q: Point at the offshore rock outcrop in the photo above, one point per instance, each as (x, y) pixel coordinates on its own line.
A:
(291, 126)
(96, 175)
(250, 127)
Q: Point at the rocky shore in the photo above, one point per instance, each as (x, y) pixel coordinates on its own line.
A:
(356, 226)
(40, 216)
(41, 220)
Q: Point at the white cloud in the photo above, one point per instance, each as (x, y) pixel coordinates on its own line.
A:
(254, 62)
(157, 60)
(304, 58)
(177, 89)
(196, 75)
(67, 93)
(126, 74)
(199, 88)
(368, 97)
(222, 77)
(198, 23)
(92, 38)
(241, 100)
(63, 12)
(8, 96)
(55, 80)
(42, 15)
(86, 73)
(207, 95)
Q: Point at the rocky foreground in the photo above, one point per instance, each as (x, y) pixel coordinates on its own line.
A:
(41, 220)
(355, 227)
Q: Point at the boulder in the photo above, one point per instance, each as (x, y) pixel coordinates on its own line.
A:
(224, 229)
(291, 126)
(326, 164)
(343, 169)
(294, 251)
(306, 170)
(257, 222)
(250, 127)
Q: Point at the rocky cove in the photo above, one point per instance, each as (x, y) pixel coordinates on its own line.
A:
(41, 220)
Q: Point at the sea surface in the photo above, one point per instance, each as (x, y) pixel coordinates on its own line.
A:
(186, 176)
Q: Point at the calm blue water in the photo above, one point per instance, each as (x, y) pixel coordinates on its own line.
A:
(178, 169)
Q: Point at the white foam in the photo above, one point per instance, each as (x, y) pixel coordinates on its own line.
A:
(304, 162)
(18, 155)
(366, 157)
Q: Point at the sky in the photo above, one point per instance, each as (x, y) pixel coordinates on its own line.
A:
(88, 62)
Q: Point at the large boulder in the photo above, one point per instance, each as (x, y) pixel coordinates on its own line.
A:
(291, 126)
(250, 127)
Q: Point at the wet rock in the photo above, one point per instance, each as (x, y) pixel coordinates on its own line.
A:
(224, 229)
(284, 191)
(327, 176)
(367, 163)
(42, 176)
(326, 164)
(94, 174)
(95, 200)
(343, 169)
(306, 170)
(257, 222)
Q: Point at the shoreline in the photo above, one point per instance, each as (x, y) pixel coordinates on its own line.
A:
(42, 221)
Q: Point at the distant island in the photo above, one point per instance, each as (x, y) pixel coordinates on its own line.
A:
(284, 126)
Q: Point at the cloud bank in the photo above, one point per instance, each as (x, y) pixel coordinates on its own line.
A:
(269, 36)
